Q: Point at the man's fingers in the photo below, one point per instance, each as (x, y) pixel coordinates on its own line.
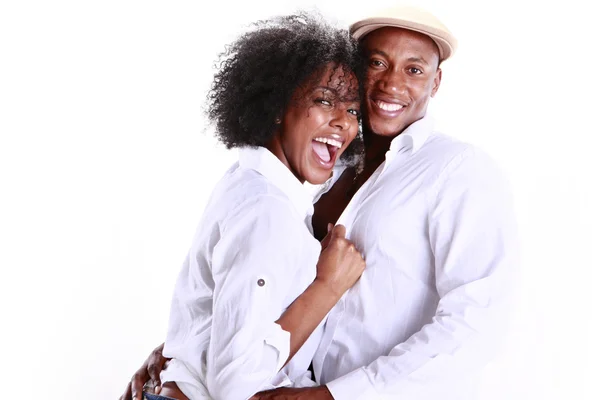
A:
(127, 394)
(136, 395)
(154, 371)
(137, 385)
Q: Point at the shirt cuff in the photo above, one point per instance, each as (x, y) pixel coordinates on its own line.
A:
(304, 381)
(353, 386)
(279, 339)
(178, 373)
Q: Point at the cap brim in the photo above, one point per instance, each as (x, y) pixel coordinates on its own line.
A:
(445, 41)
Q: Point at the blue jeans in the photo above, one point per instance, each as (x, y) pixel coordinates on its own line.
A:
(150, 396)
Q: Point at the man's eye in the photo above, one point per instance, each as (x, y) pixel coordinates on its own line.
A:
(414, 70)
(376, 63)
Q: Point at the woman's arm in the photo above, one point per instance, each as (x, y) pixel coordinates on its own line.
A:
(259, 262)
(339, 267)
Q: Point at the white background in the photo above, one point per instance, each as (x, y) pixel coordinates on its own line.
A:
(106, 162)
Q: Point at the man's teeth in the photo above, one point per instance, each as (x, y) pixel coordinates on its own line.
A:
(329, 141)
(388, 106)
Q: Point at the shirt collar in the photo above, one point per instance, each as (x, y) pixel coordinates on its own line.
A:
(265, 163)
(414, 136)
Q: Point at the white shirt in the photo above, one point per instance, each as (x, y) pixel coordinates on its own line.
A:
(252, 255)
(436, 225)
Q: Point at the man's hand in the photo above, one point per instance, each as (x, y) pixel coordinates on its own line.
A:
(149, 371)
(313, 393)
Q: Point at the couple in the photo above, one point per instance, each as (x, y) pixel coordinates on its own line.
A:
(431, 215)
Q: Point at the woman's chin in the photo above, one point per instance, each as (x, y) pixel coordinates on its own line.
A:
(318, 176)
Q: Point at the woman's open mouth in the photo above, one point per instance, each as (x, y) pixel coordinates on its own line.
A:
(326, 149)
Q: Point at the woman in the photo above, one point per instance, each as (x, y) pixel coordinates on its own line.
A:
(250, 301)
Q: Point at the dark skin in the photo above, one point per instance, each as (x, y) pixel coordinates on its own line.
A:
(331, 204)
(403, 72)
(402, 76)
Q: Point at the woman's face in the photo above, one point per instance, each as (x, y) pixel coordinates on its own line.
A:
(318, 125)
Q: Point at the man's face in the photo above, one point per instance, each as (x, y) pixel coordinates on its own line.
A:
(402, 74)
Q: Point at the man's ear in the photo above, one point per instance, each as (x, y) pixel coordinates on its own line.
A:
(436, 81)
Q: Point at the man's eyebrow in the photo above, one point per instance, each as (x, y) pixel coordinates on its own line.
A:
(410, 59)
(418, 59)
(380, 52)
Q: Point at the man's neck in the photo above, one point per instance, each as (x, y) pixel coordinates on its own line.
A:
(377, 145)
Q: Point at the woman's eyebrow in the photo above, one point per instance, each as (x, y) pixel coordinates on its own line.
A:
(327, 89)
(354, 97)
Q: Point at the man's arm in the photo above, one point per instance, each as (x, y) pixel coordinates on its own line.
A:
(473, 238)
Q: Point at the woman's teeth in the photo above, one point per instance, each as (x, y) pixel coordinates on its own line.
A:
(330, 141)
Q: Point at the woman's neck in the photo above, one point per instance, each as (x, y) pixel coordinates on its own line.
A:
(375, 147)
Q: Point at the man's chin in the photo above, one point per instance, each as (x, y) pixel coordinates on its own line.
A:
(385, 130)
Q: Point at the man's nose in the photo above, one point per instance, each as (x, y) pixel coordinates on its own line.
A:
(393, 82)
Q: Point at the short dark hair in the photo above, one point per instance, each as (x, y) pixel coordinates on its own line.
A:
(259, 73)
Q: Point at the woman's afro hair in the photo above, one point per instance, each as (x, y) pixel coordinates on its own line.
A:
(259, 73)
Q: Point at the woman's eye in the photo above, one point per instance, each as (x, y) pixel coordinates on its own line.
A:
(354, 112)
(324, 102)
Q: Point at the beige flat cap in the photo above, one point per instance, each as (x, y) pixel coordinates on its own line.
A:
(412, 18)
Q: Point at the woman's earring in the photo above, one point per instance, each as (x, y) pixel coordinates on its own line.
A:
(277, 121)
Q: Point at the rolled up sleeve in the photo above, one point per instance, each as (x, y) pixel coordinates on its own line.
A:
(254, 266)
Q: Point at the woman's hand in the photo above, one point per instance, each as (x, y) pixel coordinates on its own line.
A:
(340, 264)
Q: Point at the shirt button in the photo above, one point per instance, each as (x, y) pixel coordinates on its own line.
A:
(261, 282)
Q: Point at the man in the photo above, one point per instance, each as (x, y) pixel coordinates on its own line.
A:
(433, 218)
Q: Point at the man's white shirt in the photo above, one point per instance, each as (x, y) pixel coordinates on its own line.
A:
(436, 226)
